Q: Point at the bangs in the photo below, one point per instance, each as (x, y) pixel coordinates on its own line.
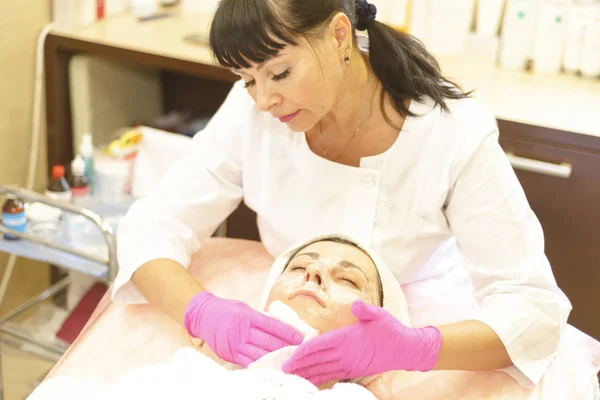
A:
(247, 31)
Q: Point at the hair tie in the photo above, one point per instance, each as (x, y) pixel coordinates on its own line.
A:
(366, 13)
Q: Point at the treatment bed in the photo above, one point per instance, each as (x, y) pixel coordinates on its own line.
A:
(119, 338)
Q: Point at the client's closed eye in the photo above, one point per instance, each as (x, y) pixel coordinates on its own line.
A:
(298, 268)
(350, 281)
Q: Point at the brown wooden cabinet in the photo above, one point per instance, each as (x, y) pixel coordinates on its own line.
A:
(568, 209)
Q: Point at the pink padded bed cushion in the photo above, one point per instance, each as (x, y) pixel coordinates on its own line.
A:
(118, 338)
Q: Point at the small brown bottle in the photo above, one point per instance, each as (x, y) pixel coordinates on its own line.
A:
(58, 188)
(13, 216)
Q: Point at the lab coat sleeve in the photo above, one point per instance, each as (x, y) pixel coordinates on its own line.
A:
(195, 196)
(502, 244)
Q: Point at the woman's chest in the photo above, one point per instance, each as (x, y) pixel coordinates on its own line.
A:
(394, 203)
(349, 150)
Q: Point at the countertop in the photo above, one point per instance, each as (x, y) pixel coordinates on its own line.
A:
(564, 102)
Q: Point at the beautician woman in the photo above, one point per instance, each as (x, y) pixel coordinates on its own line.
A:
(330, 132)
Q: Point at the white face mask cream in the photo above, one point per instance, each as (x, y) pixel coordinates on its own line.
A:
(321, 281)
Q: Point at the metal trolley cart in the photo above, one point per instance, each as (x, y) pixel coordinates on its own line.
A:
(57, 253)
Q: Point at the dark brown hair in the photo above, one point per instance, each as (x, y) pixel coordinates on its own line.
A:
(253, 31)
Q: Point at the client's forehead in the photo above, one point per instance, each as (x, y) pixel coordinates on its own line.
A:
(341, 251)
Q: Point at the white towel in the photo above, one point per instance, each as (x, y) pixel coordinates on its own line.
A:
(286, 314)
(190, 375)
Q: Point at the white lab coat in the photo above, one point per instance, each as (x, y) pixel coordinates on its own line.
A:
(443, 201)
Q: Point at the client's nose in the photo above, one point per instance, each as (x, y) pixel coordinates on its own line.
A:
(313, 274)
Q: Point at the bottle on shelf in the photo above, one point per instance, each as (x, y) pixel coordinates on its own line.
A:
(590, 60)
(550, 36)
(489, 16)
(58, 188)
(518, 30)
(578, 23)
(87, 153)
(13, 216)
(80, 186)
(78, 226)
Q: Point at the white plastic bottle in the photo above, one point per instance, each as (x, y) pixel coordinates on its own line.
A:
(80, 191)
(489, 14)
(392, 12)
(550, 36)
(418, 20)
(590, 60)
(579, 18)
(87, 153)
(518, 29)
(80, 187)
(397, 13)
(143, 8)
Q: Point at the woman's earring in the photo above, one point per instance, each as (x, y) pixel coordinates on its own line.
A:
(347, 56)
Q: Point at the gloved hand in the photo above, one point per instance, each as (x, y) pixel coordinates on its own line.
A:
(235, 331)
(376, 344)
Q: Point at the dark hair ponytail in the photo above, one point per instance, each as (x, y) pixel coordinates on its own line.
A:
(406, 69)
(245, 31)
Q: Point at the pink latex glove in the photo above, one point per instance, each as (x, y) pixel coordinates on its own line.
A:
(376, 344)
(235, 331)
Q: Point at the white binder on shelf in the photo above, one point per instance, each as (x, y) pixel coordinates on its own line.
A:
(442, 25)
(550, 36)
(518, 28)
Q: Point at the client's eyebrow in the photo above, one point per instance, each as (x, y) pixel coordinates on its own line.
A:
(343, 263)
(348, 264)
(314, 256)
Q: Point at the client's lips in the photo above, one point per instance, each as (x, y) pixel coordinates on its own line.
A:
(289, 117)
(309, 293)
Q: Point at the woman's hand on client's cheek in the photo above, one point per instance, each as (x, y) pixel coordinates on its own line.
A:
(376, 344)
(235, 331)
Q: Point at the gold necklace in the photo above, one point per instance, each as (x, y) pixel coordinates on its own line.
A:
(353, 134)
(347, 144)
